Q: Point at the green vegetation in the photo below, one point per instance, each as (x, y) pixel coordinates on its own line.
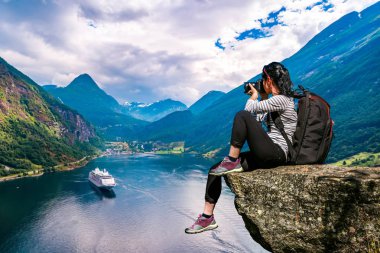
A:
(361, 159)
(156, 147)
(175, 150)
(28, 145)
(373, 246)
(37, 131)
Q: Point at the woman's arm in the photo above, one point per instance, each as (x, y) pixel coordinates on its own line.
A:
(272, 104)
(254, 95)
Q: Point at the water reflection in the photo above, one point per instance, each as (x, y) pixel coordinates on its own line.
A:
(157, 197)
(102, 193)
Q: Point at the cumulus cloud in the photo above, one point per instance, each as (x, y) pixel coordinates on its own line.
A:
(151, 50)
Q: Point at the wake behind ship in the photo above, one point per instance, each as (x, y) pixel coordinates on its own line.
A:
(101, 179)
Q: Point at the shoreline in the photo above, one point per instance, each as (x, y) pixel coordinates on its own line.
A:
(77, 164)
(60, 167)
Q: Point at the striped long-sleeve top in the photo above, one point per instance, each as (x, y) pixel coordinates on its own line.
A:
(285, 106)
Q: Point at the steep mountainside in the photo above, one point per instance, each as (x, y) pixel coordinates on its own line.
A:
(36, 130)
(101, 109)
(154, 111)
(205, 101)
(170, 128)
(341, 64)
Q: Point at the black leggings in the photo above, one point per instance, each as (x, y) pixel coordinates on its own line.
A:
(264, 153)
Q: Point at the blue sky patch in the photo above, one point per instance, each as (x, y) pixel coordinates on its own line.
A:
(253, 33)
(257, 33)
(265, 24)
(324, 4)
(272, 19)
(219, 45)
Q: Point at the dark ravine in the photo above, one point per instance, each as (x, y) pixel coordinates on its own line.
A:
(310, 208)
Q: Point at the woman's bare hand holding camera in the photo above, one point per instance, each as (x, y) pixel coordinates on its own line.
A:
(253, 92)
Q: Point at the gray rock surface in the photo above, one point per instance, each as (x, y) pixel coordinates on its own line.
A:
(311, 208)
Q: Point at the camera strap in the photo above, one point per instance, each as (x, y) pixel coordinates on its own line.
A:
(280, 125)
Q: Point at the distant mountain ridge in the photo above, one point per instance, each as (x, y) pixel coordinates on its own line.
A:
(154, 111)
(175, 126)
(36, 130)
(85, 96)
(114, 121)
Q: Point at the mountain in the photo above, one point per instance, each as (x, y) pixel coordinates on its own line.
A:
(36, 130)
(154, 111)
(85, 96)
(176, 126)
(205, 101)
(340, 64)
(50, 87)
(101, 109)
(171, 127)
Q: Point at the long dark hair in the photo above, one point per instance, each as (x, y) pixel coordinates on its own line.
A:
(280, 76)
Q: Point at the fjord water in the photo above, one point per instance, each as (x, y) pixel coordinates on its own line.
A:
(157, 196)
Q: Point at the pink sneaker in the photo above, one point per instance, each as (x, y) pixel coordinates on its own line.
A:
(227, 166)
(202, 224)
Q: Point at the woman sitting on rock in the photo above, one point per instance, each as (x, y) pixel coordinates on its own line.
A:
(267, 148)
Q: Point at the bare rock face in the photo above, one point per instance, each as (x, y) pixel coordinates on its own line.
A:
(310, 208)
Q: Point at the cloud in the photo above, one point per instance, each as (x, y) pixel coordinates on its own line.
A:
(111, 13)
(151, 50)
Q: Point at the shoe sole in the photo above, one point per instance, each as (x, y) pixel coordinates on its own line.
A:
(209, 227)
(226, 172)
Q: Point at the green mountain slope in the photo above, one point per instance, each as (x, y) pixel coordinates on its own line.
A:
(205, 101)
(363, 159)
(36, 130)
(171, 128)
(342, 66)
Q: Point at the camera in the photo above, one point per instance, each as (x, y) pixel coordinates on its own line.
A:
(258, 85)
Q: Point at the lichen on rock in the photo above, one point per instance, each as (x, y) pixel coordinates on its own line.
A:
(310, 208)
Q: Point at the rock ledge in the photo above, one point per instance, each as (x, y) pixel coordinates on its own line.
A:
(310, 208)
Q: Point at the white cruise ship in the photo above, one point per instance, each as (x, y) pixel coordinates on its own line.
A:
(101, 179)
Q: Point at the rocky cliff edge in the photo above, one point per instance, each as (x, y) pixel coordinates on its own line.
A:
(313, 208)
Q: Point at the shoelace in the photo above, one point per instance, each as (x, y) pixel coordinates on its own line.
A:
(225, 159)
(198, 219)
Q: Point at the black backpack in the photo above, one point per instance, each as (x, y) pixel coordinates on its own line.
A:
(314, 133)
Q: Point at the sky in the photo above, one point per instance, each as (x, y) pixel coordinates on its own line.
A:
(149, 50)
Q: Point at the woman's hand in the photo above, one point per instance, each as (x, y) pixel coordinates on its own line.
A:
(253, 92)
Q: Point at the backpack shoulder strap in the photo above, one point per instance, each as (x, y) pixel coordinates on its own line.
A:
(278, 123)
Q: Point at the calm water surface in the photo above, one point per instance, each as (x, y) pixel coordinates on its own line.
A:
(155, 199)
